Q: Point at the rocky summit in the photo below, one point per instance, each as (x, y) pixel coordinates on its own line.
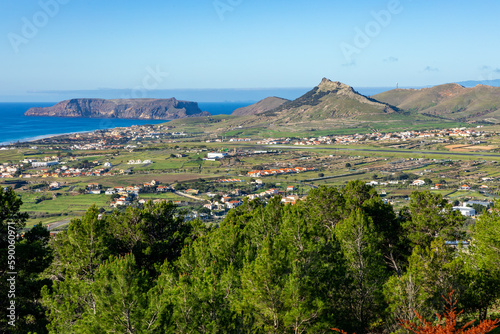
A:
(330, 100)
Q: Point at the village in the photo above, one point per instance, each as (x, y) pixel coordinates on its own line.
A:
(125, 167)
(377, 136)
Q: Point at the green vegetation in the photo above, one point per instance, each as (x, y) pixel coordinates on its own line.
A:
(342, 259)
(23, 259)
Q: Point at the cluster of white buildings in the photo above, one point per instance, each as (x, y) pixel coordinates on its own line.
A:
(7, 170)
(275, 141)
(267, 193)
(37, 164)
(66, 171)
(99, 145)
(214, 156)
(139, 162)
(393, 136)
(226, 202)
(239, 139)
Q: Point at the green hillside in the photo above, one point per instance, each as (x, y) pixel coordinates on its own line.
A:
(450, 101)
(330, 106)
(330, 100)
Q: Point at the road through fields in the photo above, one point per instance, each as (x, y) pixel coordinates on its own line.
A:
(478, 154)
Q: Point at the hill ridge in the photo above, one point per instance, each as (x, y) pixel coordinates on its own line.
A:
(264, 105)
(451, 101)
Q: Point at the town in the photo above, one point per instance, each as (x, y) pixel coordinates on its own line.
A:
(124, 167)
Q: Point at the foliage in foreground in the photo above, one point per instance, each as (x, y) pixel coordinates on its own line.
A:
(447, 322)
(27, 256)
(342, 259)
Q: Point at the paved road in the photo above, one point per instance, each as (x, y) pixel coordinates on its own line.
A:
(189, 196)
(332, 177)
(476, 154)
(55, 225)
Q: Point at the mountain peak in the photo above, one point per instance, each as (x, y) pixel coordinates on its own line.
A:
(329, 85)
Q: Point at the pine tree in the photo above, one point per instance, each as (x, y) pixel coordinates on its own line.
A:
(366, 270)
(28, 256)
(78, 252)
(431, 216)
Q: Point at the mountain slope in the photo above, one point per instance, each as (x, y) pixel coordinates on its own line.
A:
(330, 101)
(264, 105)
(451, 101)
(166, 109)
(473, 83)
(327, 108)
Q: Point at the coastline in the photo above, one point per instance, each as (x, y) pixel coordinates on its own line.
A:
(20, 128)
(32, 139)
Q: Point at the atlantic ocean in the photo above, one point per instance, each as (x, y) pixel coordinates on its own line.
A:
(14, 126)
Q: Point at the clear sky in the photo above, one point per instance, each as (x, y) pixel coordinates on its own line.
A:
(58, 45)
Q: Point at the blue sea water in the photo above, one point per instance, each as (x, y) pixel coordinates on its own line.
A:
(14, 126)
(222, 108)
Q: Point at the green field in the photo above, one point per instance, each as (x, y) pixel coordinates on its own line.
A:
(59, 208)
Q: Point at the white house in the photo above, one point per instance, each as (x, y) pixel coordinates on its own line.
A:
(214, 155)
(465, 211)
(44, 163)
(122, 201)
(54, 185)
(418, 183)
(233, 204)
(110, 191)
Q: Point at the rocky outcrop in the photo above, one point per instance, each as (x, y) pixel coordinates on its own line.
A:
(166, 109)
(330, 100)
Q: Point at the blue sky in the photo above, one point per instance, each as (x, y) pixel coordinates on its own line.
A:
(150, 45)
